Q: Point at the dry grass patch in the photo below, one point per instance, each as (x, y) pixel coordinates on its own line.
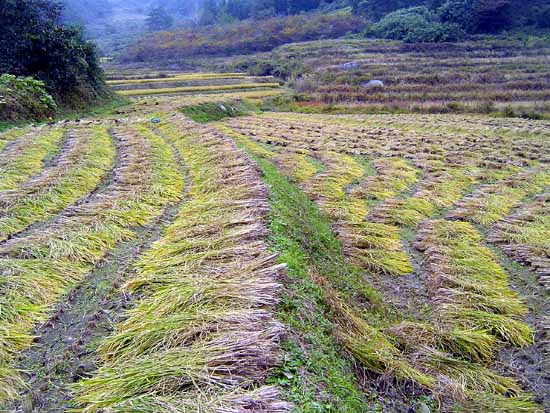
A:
(25, 156)
(525, 236)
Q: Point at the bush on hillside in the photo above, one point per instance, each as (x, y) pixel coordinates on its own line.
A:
(24, 98)
(241, 38)
(416, 25)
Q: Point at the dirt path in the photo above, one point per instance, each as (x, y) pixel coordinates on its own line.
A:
(64, 351)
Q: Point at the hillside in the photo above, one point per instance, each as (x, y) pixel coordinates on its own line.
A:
(240, 38)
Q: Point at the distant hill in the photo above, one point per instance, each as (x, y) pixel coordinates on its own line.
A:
(95, 10)
(214, 27)
(247, 36)
(113, 24)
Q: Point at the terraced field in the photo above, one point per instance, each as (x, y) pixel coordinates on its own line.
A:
(510, 77)
(274, 263)
(139, 84)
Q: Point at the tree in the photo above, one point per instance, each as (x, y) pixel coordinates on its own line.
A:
(33, 42)
(210, 12)
(215, 11)
(492, 15)
(159, 19)
(477, 15)
(298, 6)
(416, 25)
(238, 9)
(376, 9)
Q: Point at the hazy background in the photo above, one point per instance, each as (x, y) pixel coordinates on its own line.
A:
(114, 23)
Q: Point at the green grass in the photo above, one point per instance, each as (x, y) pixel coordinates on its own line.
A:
(312, 231)
(104, 107)
(303, 308)
(302, 237)
(215, 111)
(377, 339)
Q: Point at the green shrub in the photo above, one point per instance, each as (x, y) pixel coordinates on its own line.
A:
(458, 12)
(211, 112)
(24, 98)
(416, 25)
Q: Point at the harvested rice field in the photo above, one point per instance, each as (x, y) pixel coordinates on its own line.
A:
(477, 76)
(141, 84)
(273, 262)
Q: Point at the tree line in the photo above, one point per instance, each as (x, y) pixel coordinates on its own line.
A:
(473, 16)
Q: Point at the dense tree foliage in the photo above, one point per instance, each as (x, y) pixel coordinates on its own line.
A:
(473, 16)
(229, 10)
(33, 42)
(159, 19)
(416, 25)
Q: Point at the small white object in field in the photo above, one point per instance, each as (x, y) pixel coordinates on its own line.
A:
(373, 84)
(349, 65)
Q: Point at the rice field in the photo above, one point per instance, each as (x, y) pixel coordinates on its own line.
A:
(139, 84)
(275, 262)
(429, 207)
(478, 76)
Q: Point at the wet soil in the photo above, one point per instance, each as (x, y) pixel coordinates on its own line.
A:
(530, 365)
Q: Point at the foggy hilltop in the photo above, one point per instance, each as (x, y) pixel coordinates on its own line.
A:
(113, 23)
